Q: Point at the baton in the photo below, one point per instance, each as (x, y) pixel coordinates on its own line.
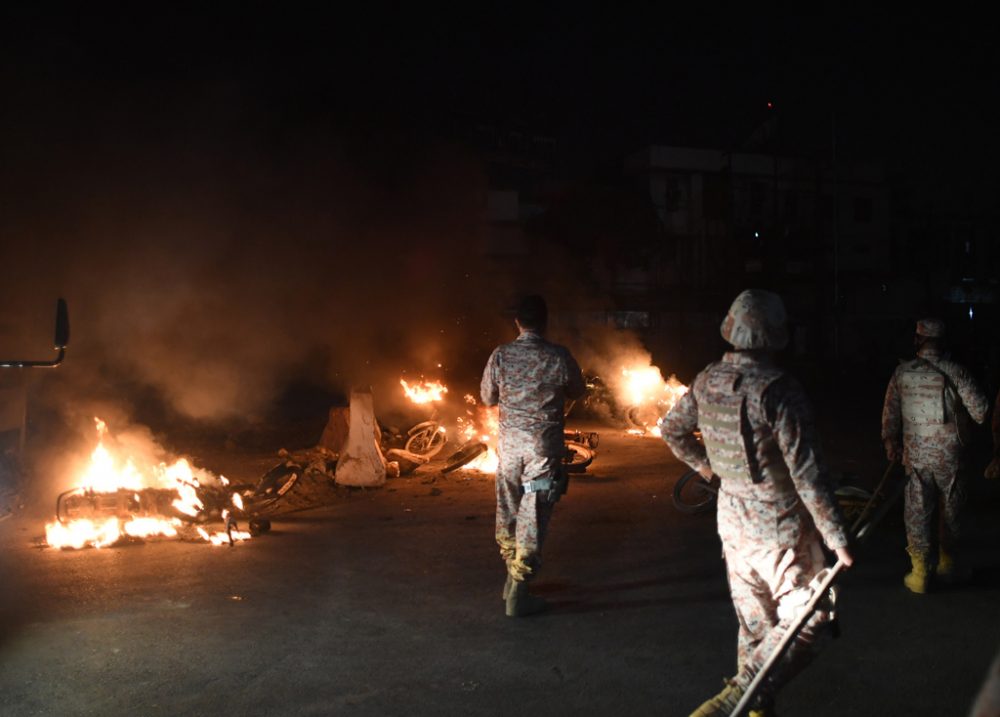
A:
(856, 528)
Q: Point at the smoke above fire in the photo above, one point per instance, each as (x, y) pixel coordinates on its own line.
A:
(213, 283)
(215, 252)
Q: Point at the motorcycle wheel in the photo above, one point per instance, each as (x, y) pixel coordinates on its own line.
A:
(693, 494)
(464, 455)
(578, 457)
(426, 439)
(273, 486)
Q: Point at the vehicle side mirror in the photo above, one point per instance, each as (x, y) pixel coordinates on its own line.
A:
(62, 325)
(61, 341)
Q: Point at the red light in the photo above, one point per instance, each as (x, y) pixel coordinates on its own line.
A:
(770, 105)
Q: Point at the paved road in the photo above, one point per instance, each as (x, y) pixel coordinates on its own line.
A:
(387, 603)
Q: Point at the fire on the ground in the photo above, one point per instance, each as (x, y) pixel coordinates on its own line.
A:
(117, 498)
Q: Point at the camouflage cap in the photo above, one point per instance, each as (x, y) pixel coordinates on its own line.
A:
(931, 328)
(756, 320)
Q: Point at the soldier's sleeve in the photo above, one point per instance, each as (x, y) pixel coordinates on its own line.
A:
(489, 387)
(974, 398)
(575, 385)
(892, 418)
(795, 431)
(677, 430)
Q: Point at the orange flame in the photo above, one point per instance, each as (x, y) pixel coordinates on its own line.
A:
(106, 473)
(424, 391)
(643, 386)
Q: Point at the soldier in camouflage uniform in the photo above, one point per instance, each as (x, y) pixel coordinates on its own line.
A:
(927, 405)
(530, 379)
(776, 505)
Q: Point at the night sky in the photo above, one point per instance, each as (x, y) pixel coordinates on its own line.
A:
(214, 189)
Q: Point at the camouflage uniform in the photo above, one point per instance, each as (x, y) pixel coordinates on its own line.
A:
(775, 501)
(923, 405)
(530, 379)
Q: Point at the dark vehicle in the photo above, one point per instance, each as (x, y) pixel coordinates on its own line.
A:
(13, 416)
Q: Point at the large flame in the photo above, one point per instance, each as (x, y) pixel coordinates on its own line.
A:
(643, 390)
(108, 473)
(483, 424)
(424, 391)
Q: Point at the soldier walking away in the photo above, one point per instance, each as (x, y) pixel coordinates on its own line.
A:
(925, 421)
(530, 379)
(776, 505)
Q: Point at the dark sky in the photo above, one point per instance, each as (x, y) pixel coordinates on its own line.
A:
(612, 78)
(231, 196)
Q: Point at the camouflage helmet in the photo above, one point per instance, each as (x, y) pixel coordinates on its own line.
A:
(756, 320)
(931, 328)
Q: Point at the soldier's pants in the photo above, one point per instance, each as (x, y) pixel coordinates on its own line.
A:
(923, 489)
(773, 553)
(522, 519)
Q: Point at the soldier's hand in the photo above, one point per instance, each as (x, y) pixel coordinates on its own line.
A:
(844, 556)
(891, 451)
(706, 472)
(993, 469)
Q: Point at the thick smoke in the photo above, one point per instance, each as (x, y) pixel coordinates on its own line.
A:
(216, 282)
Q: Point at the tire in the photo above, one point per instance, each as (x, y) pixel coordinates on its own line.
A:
(578, 457)
(632, 417)
(693, 494)
(853, 501)
(274, 485)
(426, 439)
(464, 455)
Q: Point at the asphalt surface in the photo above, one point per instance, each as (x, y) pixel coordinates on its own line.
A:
(387, 602)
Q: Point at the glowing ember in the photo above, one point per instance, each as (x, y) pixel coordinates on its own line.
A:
(424, 391)
(115, 484)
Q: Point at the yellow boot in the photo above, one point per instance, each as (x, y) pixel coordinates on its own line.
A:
(722, 704)
(916, 579)
(950, 570)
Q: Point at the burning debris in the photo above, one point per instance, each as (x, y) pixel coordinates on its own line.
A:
(649, 397)
(118, 499)
(637, 395)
